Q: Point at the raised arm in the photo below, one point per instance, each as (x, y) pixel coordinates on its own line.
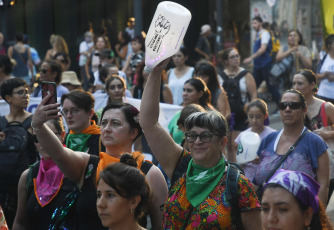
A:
(162, 145)
(71, 163)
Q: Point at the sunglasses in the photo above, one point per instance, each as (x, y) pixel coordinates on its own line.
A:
(292, 105)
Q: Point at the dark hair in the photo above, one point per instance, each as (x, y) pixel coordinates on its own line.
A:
(257, 18)
(62, 54)
(319, 220)
(301, 40)
(58, 124)
(261, 104)
(81, 99)
(139, 71)
(128, 181)
(6, 63)
(130, 112)
(186, 111)
(212, 120)
(19, 37)
(223, 55)
(110, 79)
(104, 72)
(205, 67)
(200, 85)
(310, 77)
(329, 41)
(266, 26)
(9, 85)
(126, 37)
(301, 96)
(140, 40)
(55, 67)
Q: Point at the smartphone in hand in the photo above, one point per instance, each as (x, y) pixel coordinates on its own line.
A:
(49, 88)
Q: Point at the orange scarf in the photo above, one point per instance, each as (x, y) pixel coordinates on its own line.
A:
(106, 159)
(92, 129)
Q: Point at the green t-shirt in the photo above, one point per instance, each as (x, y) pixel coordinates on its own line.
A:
(177, 134)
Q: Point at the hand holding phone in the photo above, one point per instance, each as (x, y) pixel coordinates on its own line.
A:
(49, 88)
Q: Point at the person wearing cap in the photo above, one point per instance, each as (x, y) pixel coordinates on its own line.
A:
(290, 201)
(203, 45)
(69, 79)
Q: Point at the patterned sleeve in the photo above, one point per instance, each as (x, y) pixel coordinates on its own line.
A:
(247, 196)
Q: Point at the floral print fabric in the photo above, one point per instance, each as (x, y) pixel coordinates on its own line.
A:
(213, 213)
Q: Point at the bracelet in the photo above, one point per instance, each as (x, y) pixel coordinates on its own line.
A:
(34, 128)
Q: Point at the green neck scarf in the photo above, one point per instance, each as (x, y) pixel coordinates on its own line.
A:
(201, 181)
(77, 142)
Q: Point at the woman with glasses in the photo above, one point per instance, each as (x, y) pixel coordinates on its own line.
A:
(119, 129)
(309, 155)
(15, 92)
(50, 71)
(320, 114)
(43, 189)
(240, 87)
(78, 112)
(197, 198)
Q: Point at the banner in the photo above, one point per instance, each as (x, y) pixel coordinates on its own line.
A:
(327, 7)
(167, 111)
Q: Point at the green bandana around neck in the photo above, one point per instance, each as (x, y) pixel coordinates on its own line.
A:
(77, 142)
(201, 181)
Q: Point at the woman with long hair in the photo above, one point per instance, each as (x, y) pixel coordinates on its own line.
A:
(179, 74)
(58, 44)
(207, 71)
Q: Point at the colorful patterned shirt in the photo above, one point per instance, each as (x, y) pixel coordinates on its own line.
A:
(213, 213)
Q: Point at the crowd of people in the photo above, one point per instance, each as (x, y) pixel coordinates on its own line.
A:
(67, 166)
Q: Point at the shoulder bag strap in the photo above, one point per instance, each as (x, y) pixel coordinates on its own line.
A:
(323, 114)
(292, 147)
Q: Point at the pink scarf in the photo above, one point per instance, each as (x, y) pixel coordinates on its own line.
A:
(48, 181)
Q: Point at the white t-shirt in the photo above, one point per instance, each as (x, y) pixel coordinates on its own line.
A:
(326, 87)
(176, 84)
(265, 36)
(84, 47)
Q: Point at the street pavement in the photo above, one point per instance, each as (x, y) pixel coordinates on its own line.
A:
(275, 123)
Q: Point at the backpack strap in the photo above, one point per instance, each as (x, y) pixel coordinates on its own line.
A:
(3, 123)
(231, 186)
(323, 114)
(146, 166)
(241, 74)
(27, 122)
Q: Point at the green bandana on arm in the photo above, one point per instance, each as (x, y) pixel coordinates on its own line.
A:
(201, 181)
(77, 142)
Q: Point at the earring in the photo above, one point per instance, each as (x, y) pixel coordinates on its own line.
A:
(131, 210)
